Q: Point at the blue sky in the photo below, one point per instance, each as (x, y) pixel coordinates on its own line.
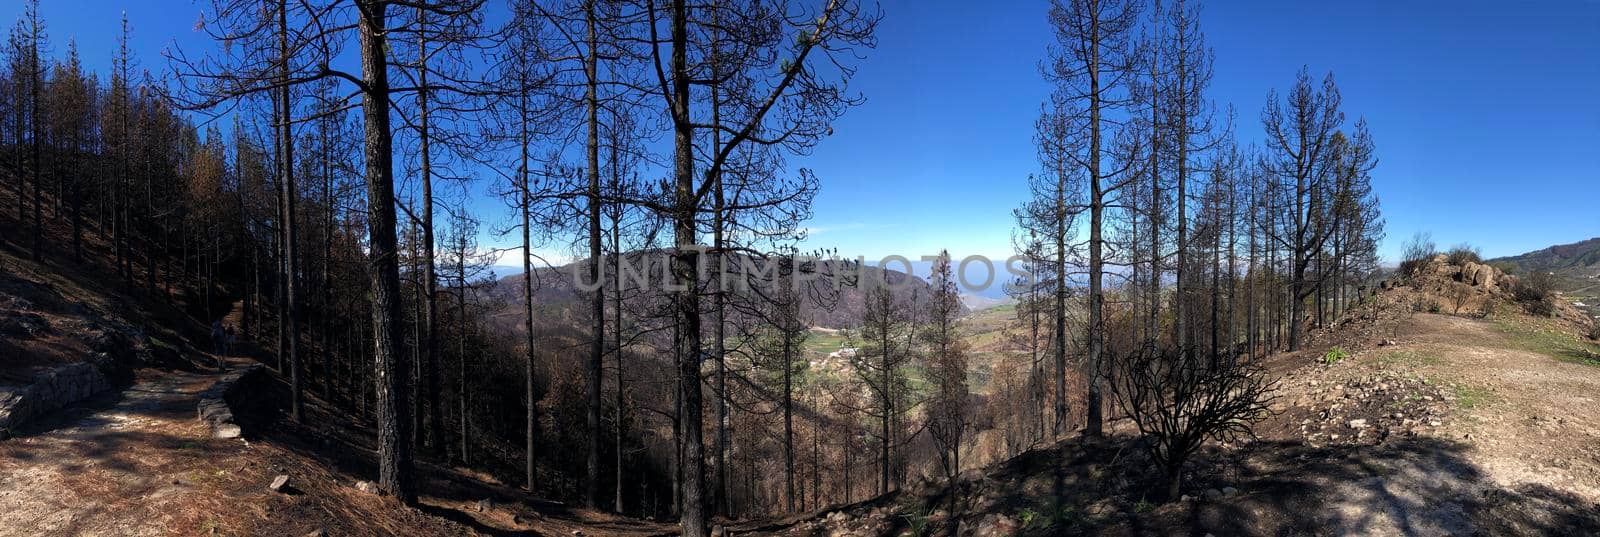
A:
(1486, 114)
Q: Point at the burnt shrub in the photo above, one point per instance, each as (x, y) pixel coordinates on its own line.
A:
(1461, 254)
(1535, 293)
(1416, 252)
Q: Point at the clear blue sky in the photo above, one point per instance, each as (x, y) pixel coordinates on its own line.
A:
(1486, 114)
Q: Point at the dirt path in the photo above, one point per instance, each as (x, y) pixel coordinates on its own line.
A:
(1529, 418)
(1461, 426)
(123, 463)
(139, 463)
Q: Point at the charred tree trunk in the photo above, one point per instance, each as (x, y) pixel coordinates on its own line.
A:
(394, 454)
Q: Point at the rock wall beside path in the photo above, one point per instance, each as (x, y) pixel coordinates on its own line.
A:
(214, 407)
(51, 389)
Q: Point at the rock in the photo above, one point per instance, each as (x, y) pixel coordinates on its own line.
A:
(577, 533)
(995, 525)
(1212, 494)
(213, 406)
(319, 532)
(1229, 491)
(1434, 423)
(1387, 343)
(719, 531)
(484, 505)
(1483, 276)
(278, 483)
(367, 487)
(227, 430)
(1358, 423)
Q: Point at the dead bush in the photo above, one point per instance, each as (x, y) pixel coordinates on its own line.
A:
(1535, 293)
(1461, 254)
(1416, 252)
(1178, 400)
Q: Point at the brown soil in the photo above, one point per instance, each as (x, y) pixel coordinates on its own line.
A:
(140, 463)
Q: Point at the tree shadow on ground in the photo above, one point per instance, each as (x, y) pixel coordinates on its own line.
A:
(346, 443)
(1410, 486)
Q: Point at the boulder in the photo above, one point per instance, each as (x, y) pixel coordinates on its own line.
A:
(367, 487)
(279, 483)
(1485, 277)
(227, 431)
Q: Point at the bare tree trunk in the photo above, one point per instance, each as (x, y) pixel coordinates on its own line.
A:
(1097, 328)
(1153, 330)
(37, 253)
(720, 330)
(788, 417)
(849, 441)
(888, 410)
(1060, 311)
(430, 277)
(394, 455)
(1216, 279)
(531, 446)
(597, 302)
(1233, 271)
(290, 256)
(462, 361)
(692, 519)
(616, 320)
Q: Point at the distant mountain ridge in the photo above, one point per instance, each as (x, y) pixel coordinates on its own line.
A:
(1576, 270)
(1578, 255)
(556, 291)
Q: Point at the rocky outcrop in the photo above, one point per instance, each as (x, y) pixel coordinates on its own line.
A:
(1478, 275)
(51, 389)
(214, 408)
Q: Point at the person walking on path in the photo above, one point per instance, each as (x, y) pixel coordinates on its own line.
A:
(219, 343)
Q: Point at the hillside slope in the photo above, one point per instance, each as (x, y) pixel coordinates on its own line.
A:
(1576, 268)
(128, 455)
(1435, 425)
